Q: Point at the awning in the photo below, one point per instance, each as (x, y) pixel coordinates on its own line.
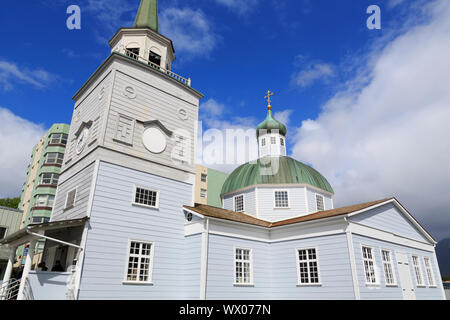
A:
(23, 235)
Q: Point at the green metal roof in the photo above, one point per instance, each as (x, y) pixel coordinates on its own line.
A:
(271, 124)
(274, 170)
(147, 16)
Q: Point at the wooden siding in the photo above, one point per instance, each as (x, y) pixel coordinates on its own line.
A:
(266, 203)
(381, 291)
(334, 267)
(82, 181)
(389, 218)
(249, 202)
(114, 221)
(192, 264)
(312, 206)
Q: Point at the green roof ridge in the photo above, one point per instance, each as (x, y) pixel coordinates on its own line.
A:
(147, 16)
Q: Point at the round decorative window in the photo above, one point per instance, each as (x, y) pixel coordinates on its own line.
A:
(189, 217)
(154, 140)
(82, 140)
(182, 114)
(129, 92)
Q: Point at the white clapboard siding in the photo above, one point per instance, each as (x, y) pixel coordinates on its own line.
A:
(82, 182)
(266, 204)
(114, 221)
(249, 201)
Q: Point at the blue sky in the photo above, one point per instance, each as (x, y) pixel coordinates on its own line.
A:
(367, 108)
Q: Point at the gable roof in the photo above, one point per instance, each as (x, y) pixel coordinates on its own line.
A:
(229, 215)
(219, 213)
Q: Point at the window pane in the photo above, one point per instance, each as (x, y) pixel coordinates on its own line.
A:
(281, 199)
(146, 197)
(239, 203)
(138, 268)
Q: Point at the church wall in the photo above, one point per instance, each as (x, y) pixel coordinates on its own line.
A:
(221, 269)
(312, 205)
(266, 204)
(334, 267)
(114, 221)
(82, 182)
(381, 291)
(390, 219)
(192, 265)
(249, 201)
(90, 106)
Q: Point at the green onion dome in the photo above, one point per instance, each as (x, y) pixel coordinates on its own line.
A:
(271, 124)
(274, 170)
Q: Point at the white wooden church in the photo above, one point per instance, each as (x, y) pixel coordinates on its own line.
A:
(125, 225)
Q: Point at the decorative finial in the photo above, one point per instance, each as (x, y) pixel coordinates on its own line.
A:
(269, 94)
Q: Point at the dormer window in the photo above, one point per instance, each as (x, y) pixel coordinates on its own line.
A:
(133, 53)
(155, 59)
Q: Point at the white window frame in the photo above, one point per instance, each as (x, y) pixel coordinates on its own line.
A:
(250, 267)
(203, 175)
(273, 140)
(243, 202)
(429, 272)
(418, 271)
(133, 200)
(275, 202)
(263, 142)
(282, 142)
(74, 198)
(391, 263)
(323, 201)
(150, 270)
(374, 265)
(297, 259)
(203, 193)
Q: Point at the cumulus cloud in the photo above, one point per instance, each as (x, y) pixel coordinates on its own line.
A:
(389, 136)
(11, 74)
(190, 30)
(312, 72)
(17, 138)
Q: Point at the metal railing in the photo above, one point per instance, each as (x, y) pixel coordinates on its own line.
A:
(131, 54)
(9, 290)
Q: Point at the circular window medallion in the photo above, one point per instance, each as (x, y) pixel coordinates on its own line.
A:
(182, 114)
(129, 92)
(189, 217)
(154, 140)
(82, 140)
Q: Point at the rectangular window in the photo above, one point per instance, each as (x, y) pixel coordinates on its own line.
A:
(282, 142)
(204, 177)
(140, 262)
(70, 199)
(429, 271)
(418, 271)
(146, 197)
(320, 203)
(50, 179)
(273, 140)
(308, 266)
(263, 142)
(2, 232)
(58, 138)
(45, 200)
(202, 193)
(388, 267)
(239, 203)
(369, 265)
(54, 158)
(281, 199)
(243, 266)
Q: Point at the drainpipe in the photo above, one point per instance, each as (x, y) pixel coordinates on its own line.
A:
(204, 261)
(351, 252)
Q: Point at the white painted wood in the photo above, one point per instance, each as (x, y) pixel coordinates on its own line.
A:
(351, 253)
(404, 271)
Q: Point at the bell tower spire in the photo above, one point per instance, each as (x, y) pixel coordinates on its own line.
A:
(147, 16)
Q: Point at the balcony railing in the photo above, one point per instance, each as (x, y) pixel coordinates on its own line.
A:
(185, 81)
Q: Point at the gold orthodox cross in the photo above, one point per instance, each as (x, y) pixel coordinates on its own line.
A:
(269, 94)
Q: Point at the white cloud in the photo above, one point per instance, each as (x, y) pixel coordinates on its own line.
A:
(313, 72)
(17, 138)
(390, 137)
(11, 74)
(239, 6)
(190, 30)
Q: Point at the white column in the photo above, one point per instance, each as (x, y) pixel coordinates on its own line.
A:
(26, 268)
(9, 268)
